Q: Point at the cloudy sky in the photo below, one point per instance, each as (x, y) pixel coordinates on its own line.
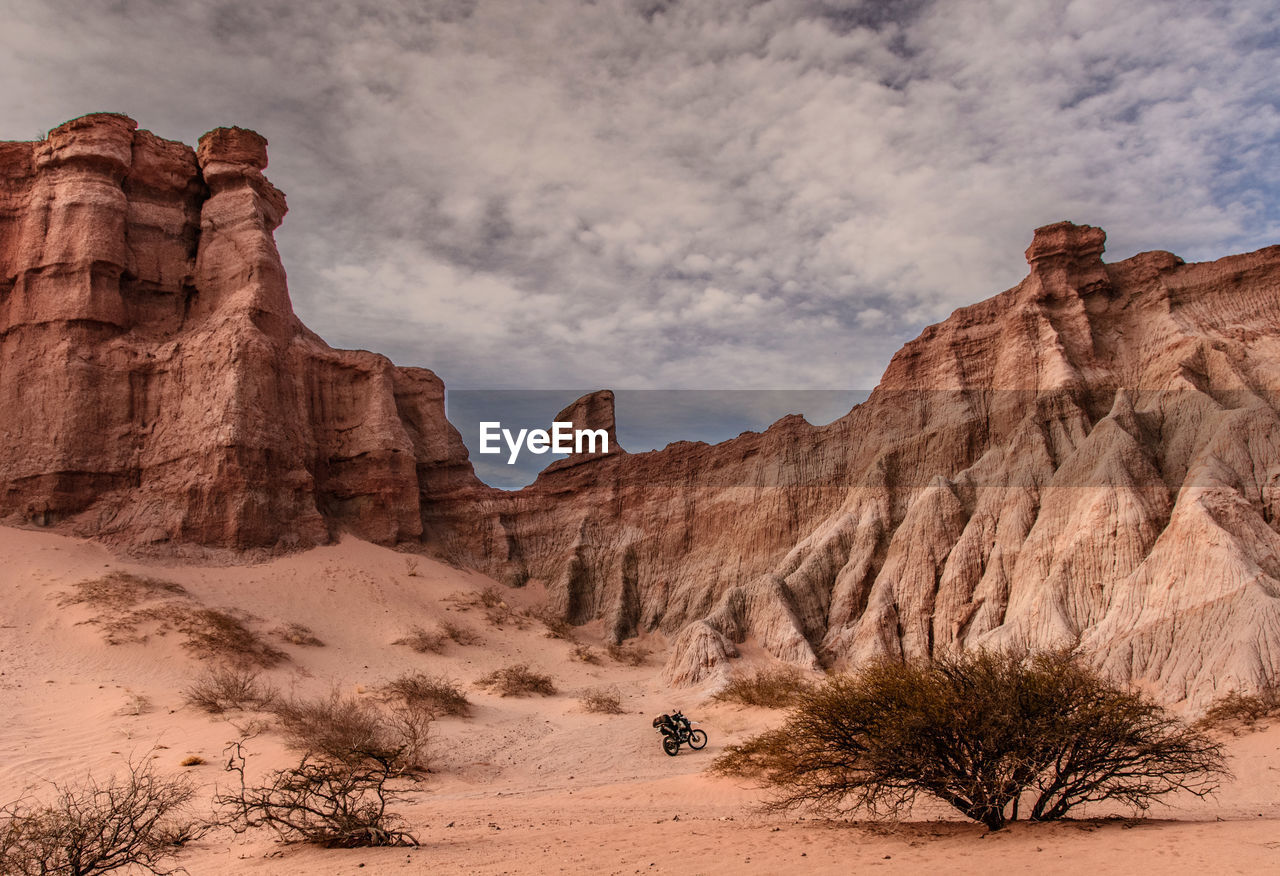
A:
(703, 194)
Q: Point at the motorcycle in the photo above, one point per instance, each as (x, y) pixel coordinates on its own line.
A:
(678, 730)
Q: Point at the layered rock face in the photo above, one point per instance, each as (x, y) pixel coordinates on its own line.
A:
(157, 388)
(1092, 456)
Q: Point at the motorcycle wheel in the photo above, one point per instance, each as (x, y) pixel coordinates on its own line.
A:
(671, 745)
(697, 739)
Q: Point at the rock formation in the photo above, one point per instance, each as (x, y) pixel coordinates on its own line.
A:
(1092, 455)
(593, 411)
(157, 387)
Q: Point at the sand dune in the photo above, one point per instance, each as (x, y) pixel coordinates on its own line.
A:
(523, 785)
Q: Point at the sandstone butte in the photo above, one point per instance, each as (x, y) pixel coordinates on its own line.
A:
(1092, 455)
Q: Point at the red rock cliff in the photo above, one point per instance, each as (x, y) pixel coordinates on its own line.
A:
(155, 384)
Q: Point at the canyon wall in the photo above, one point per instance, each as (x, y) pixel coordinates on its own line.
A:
(1092, 456)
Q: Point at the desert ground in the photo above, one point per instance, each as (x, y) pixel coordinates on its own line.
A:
(523, 785)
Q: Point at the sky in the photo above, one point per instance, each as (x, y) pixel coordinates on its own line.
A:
(709, 195)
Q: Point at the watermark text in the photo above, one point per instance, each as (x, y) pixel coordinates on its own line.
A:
(562, 438)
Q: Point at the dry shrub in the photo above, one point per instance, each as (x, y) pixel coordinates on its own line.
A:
(118, 596)
(347, 730)
(517, 680)
(324, 802)
(411, 566)
(137, 820)
(627, 653)
(1235, 710)
(984, 732)
(501, 616)
(408, 729)
(492, 604)
(297, 634)
(459, 634)
(585, 653)
(121, 590)
(137, 704)
(776, 687)
(192, 760)
(556, 626)
(221, 635)
(488, 597)
(437, 694)
(462, 600)
(250, 727)
(423, 641)
(126, 602)
(229, 688)
(602, 700)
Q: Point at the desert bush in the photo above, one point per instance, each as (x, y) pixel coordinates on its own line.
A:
(126, 602)
(983, 732)
(137, 704)
(225, 688)
(214, 634)
(409, 731)
(628, 653)
(438, 694)
(137, 820)
(328, 803)
(602, 700)
(459, 634)
(518, 680)
(772, 688)
(192, 760)
(118, 598)
(1235, 710)
(585, 653)
(120, 590)
(423, 641)
(347, 730)
(493, 604)
(556, 626)
(297, 634)
(411, 566)
(503, 615)
(488, 597)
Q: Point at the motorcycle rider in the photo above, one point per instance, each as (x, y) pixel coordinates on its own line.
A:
(677, 730)
(673, 723)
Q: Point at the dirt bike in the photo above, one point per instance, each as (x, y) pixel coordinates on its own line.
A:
(678, 730)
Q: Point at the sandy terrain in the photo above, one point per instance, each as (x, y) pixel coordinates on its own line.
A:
(524, 785)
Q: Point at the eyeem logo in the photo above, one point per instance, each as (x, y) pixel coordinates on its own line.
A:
(562, 438)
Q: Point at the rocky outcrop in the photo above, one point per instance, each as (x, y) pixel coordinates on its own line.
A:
(700, 653)
(158, 389)
(593, 411)
(1092, 455)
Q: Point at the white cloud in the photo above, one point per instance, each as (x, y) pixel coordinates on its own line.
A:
(684, 194)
